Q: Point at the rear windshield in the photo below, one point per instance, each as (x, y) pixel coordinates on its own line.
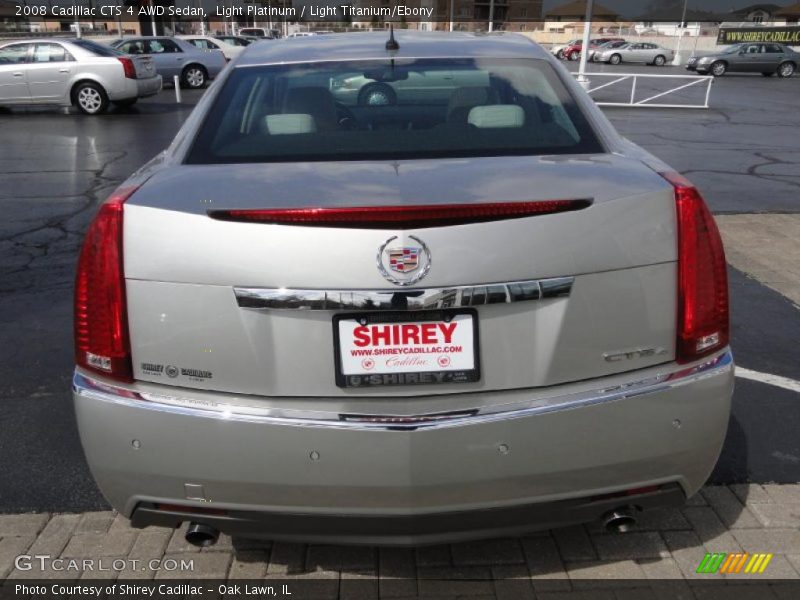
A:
(97, 49)
(392, 109)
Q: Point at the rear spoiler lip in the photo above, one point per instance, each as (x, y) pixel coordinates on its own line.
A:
(406, 216)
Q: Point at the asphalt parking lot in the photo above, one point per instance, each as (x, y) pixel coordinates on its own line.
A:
(57, 165)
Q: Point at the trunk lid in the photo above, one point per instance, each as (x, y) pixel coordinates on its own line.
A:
(182, 269)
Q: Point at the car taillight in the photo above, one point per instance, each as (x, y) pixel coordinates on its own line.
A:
(101, 324)
(128, 67)
(703, 319)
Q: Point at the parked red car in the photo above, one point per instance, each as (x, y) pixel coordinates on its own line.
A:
(573, 51)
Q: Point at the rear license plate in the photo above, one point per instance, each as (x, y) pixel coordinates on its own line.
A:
(379, 349)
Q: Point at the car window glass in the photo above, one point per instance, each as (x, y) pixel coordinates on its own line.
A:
(170, 46)
(156, 47)
(14, 54)
(97, 49)
(403, 108)
(136, 47)
(773, 49)
(50, 53)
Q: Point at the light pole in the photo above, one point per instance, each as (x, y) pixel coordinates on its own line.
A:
(677, 60)
(587, 31)
(452, 12)
(491, 15)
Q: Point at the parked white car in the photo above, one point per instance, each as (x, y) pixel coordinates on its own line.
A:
(73, 72)
(206, 42)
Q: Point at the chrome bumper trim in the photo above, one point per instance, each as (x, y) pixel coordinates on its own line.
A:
(413, 299)
(675, 377)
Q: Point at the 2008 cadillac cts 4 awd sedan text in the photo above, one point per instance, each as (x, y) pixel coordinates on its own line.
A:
(455, 312)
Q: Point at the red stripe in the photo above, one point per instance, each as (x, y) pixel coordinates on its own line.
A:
(398, 217)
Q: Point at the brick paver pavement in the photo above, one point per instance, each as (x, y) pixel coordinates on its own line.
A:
(667, 545)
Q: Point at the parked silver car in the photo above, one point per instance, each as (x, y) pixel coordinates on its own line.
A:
(767, 59)
(207, 42)
(635, 52)
(460, 315)
(173, 56)
(73, 72)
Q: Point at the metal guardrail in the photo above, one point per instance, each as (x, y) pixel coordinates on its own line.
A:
(693, 80)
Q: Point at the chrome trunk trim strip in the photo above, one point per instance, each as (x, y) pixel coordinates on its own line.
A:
(413, 299)
(673, 376)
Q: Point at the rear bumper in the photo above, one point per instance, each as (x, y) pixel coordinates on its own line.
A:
(136, 88)
(148, 87)
(414, 480)
(405, 530)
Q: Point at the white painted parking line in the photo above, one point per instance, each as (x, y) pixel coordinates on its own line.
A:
(776, 380)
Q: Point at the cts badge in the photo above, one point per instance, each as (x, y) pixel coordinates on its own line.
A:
(404, 264)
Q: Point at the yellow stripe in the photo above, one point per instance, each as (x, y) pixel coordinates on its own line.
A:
(753, 566)
(727, 562)
(741, 562)
(765, 563)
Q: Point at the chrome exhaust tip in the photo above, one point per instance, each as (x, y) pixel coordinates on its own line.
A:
(201, 535)
(619, 520)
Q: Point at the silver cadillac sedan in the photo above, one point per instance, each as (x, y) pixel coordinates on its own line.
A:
(63, 71)
(464, 312)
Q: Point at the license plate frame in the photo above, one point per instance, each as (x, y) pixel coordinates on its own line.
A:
(424, 377)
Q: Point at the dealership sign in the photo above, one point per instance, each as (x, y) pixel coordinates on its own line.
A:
(781, 35)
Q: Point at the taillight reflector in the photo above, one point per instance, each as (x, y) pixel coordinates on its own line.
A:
(101, 325)
(703, 314)
(399, 217)
(128, 67)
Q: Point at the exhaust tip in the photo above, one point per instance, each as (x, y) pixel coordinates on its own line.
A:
(201, 535)
(619, 520)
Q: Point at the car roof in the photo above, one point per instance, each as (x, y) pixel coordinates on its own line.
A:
(38, 40)
(365, 46)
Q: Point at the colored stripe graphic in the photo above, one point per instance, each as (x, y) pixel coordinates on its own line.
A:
(721, 562)
(758, 563)
(711, 562)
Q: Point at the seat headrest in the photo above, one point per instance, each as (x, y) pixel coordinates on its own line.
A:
(289, 124)
(497, 116)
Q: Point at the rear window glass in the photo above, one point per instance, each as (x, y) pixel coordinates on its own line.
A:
(97, 49)
(391, 109)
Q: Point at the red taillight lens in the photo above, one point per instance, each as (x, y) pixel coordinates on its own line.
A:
(128, 67)
(101, 324)
(400, 217)
(703, 319)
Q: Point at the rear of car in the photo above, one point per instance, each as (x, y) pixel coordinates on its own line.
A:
(176, 57)
(140, 79)
(466, 312)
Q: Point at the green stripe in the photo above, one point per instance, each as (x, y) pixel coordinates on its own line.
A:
(711, 563)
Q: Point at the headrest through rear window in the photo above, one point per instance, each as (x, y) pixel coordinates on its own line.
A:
(289, 124)
(497, 116)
